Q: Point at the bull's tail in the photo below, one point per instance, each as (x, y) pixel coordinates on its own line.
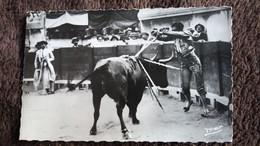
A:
(73, 87)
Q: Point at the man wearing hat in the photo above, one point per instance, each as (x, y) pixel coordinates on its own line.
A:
(190, 64)
(106, 33)
(144, 36)
(128, 31)
(126, 35)
(199, 34)
(75, 41)
(44, 75)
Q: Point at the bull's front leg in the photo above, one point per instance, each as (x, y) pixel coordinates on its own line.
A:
(134, 119)
(120, 106)
(132, 114)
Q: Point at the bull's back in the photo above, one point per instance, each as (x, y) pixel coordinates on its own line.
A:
(119, 77)
(117, 66)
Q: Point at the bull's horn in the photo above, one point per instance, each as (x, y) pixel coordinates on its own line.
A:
(167, 59)
(154, 56)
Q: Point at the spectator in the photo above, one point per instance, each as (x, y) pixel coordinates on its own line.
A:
(87, 34)
(100, 38)
(126, 35)
(199, 34)
(133, 36)
(75, 41)
(144, 35)
(105, 32)
(128, 31)
(114, 35)
(95, 34)
(138, 31)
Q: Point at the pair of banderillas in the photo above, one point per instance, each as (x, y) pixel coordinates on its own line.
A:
(149, 81)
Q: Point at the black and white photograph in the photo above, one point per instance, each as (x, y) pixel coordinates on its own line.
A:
(154, 74)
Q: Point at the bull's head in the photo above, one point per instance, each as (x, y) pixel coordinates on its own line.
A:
(157, 72)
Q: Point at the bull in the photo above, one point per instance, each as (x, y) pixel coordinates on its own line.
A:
(123, 80)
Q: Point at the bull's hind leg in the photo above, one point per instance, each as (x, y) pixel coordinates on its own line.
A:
(96, 103)
(120, 106)
(98, 93)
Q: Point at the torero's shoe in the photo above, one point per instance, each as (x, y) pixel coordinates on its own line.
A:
(50, 92)
(205, 113)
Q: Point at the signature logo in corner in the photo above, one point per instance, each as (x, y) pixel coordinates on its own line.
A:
(214, 130)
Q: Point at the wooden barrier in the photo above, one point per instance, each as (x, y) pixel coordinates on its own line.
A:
(76, 63)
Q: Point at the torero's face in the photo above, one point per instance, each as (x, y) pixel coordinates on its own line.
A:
(183, 44)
